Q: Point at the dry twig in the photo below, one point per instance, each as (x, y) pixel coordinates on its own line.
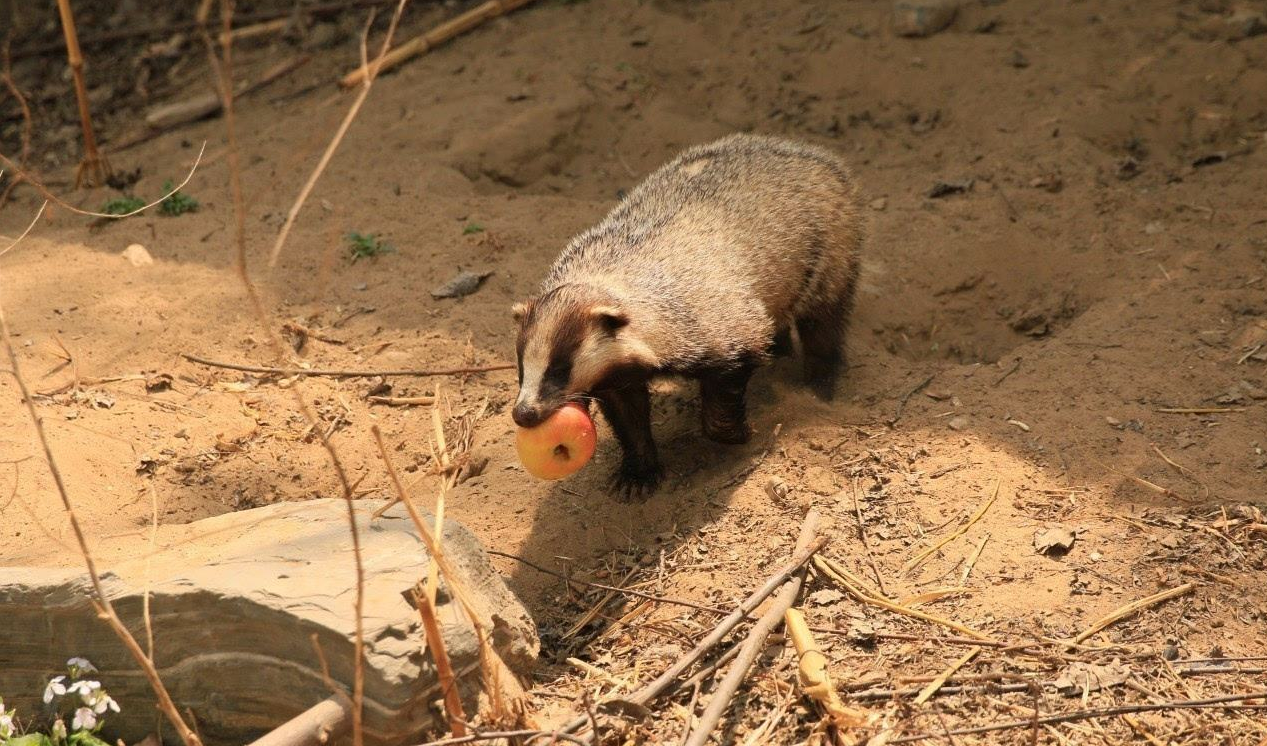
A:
(334, 373)
(420, 45)
(94, 169)
(751, 648)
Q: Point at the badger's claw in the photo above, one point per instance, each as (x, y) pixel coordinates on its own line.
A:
(634, 482)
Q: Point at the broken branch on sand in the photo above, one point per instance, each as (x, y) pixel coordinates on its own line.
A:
(751, 647)
(422, 44)
(344, 373)
(648, 693)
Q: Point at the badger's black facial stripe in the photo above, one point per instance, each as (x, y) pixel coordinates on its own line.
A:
(565, 341)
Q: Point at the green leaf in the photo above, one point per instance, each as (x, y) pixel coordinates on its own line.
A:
(472, 228)
(30, 739)
(84, 738)
(122, 205)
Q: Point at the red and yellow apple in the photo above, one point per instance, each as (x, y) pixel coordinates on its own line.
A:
(559, 446)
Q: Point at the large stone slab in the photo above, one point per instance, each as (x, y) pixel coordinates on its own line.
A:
(234, 602)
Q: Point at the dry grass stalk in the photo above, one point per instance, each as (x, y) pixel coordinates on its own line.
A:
(937, 683)
(928, 597)
(422, 44)
(345, 373)
(972, 560)
(1133, 608)
(752, 645)
(508, 699)
(371, 71)
(842, 577)
(401, 401)
(814, 678)
(93, 169)
(222, 67)
(1182, 470)
(441, 457)
(919, 558)
(444, 668)
(1199, 410)
(102, 603)
(29, 227)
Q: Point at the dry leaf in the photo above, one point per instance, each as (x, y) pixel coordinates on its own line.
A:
(1054, 541)
(1080, 678)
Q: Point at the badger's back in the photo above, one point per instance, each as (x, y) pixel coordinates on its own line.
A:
(724, 244)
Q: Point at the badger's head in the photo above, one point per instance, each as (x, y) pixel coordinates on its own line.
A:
(571, 339)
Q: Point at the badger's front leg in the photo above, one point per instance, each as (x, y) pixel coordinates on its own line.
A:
(722, 407)
(627, 408)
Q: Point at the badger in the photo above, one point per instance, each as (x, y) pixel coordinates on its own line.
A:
(701, 271)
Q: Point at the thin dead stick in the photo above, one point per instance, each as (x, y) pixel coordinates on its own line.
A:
(918, 559)
(422, 44)
(751, 648)
(510, 735)
(498, 679)
(1133, 608)
(27, 122)
(1146, 484)
(1199, 410)
(862, 536)
(104, 608)
(839, 574)
(94, 169)
(34, 220)
(1068, 717)
(907, 397)
(937, 683)
(420, 373)
(972, 560)
(370, 72)
(401, 401)
(652, 690)
(222, 67)
(442, 459)
(444, 668)
(145, 600)
(1183, 470)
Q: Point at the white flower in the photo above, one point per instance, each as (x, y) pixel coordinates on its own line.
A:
(6, 724)
(99, 701)
(84, 689)
(85, 719)
(59, 730)
(55, 688)
(80, 665)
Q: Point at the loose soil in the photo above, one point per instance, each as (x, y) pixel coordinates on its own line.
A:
(1106, 261)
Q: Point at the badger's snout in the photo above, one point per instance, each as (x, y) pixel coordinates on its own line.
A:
(529, 414)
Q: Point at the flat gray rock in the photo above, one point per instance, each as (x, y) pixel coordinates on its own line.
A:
(235, 600)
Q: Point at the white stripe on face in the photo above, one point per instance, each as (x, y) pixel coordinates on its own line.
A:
(534, 364)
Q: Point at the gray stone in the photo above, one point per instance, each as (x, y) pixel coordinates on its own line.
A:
(234, 602)
(922, 17)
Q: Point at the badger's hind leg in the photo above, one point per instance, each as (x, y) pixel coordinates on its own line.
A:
(722, 404)
(627, 408)
(822, 333)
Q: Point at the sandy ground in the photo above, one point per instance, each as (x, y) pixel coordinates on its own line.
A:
(1030, 330)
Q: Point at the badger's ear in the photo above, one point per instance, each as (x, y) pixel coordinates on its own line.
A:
(610, 317)
(519, 311)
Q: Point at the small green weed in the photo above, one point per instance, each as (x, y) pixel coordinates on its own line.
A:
(177, 203)
(122, 205)
(367, 246)
(472, 228)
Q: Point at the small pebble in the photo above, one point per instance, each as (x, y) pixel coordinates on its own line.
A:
(922, 17)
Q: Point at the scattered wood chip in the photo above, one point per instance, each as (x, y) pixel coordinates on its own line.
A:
(1081, 678)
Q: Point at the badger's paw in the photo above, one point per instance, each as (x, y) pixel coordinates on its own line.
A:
(635, 482)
